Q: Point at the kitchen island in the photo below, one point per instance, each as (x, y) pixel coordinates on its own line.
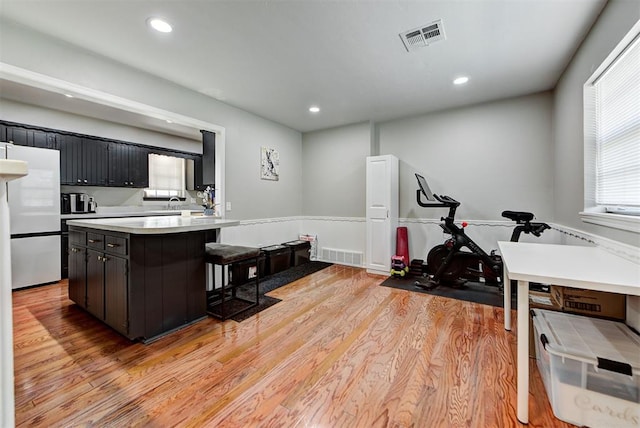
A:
(142, 276)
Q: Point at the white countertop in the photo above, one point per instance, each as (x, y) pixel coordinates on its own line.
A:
(116, 214)
(155, 225)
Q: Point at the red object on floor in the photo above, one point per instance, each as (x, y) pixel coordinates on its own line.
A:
(402, 244)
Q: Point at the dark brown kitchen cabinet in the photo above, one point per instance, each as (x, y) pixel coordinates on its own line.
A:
(98, 276)
(95, 161)
(208, 158)
(83, 161)
(128, 165)
(95, 284)
(116, 289)
(77, 273)
(201, 169)
(29, 137)
(142, 286)
(107, 289)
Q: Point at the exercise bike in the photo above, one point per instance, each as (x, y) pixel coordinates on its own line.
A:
(448, 264)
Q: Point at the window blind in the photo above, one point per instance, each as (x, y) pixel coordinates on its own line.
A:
(166, 176)
(617, 129)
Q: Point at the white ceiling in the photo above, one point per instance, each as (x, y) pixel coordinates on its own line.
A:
(276, 58)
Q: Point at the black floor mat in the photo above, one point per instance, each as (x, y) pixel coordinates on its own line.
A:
(271, 282)
(471, 292)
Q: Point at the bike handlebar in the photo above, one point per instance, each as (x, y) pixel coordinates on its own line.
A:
(443, 201)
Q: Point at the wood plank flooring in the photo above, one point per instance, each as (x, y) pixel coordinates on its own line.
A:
(338, 351)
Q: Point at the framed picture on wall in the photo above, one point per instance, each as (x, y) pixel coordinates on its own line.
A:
(269, 164)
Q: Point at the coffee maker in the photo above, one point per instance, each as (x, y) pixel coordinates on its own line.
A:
(74, 203)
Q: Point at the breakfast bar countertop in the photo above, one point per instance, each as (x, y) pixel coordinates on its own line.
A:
(156, 224)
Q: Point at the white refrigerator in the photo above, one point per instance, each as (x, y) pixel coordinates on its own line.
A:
(34, 205)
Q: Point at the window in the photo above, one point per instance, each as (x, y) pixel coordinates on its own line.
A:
(166, 177)
(612, 138)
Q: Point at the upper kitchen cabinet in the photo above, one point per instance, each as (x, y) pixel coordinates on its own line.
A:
(28, 137)
(208, 158)
(128, 165)
(201, 170)
(83, 161)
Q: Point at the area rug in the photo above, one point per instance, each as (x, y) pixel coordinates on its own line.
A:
(271, 282)
(476, 292)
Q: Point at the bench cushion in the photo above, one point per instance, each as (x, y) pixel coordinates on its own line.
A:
(222, 254)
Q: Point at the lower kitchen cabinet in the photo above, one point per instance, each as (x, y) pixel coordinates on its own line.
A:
(107, 289)
(98, 276)
(142, 286)
(115, 293)
(78, 274)
(95, 284)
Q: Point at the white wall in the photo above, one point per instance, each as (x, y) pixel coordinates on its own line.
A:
(334, 170)
(245, 132)
(491, 157)
(615, 21)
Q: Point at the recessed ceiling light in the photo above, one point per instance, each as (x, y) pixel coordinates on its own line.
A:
(314, 109)
(160, 25)
(68, 95)
(461, 80)
(169, 121)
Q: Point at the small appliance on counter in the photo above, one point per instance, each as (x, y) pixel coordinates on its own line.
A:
(65, 203)
(76, 203)
(93, 205)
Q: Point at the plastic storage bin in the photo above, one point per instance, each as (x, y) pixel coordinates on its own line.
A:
(277, 259)
(243, 272)
(300, 252)
(590, 368)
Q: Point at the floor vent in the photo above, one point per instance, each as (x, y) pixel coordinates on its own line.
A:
(423, 36)
(342, 257)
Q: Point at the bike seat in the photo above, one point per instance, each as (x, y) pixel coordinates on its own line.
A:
(517, 215)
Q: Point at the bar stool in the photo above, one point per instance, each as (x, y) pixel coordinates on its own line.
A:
(224, 303)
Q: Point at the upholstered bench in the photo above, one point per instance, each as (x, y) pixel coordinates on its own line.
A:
(224, 302)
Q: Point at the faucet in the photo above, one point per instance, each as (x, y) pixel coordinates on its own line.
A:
(172, 199)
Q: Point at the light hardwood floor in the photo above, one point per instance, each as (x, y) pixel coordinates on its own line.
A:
(338, 351)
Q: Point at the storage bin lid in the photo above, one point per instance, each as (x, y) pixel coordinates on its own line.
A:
(273, 248)
(588, 339)
(297, 243)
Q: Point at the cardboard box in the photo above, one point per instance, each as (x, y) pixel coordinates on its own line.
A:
(538, 300)
(588, 302)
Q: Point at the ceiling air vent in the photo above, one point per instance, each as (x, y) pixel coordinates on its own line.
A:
(423, 36)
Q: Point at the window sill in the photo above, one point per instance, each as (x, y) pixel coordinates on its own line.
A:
(618, 221)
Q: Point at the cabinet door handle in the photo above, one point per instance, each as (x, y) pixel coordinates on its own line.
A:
(110, 245)
(99, 258)
(85, 181)
(104, 259)
(94, 241)
(131, 183)
(79, 181)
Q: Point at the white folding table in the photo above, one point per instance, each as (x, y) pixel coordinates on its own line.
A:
(590, 268)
